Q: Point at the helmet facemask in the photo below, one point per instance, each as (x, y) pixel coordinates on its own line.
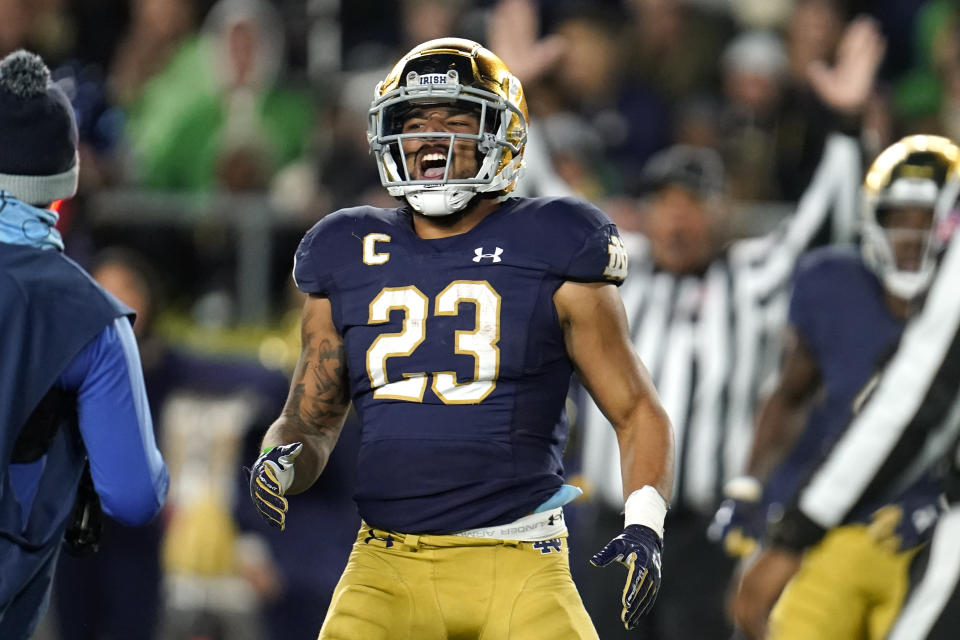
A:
(909, 212)
(448, 79)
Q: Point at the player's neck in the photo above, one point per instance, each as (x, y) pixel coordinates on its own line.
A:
(430, 228)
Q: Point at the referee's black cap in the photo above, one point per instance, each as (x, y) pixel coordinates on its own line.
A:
(697, 169)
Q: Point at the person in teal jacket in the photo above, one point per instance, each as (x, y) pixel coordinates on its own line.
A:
(71, 386)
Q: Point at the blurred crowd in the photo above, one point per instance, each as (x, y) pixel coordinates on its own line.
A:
(198, 97)
(201, 96)
(185, 105)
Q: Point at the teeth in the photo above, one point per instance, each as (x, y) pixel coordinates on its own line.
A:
(430, 157)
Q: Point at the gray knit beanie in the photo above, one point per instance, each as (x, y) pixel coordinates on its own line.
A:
(38, 132)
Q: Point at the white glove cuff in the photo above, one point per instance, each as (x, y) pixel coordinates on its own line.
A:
(745, 488)
(647, 507)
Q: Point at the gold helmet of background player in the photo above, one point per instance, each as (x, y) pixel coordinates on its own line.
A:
(918, 171)
(462, 73)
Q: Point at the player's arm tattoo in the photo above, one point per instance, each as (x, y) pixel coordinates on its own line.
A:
(319, 393)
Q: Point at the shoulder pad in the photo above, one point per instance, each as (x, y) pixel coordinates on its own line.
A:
(580, 241)
(330, 244)
(826, 262)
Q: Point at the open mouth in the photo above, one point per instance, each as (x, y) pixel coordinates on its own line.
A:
(433, 165)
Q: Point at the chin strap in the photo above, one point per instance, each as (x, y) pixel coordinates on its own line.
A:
(439, 202)
(908, 285)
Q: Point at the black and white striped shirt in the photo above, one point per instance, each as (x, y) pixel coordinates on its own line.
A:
(712, 341)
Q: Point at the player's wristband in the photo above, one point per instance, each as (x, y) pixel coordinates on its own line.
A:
(743, 488)
(647, 507)
(794, 531)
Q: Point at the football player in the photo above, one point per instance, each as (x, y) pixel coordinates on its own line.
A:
(847, 313)
(453, 324)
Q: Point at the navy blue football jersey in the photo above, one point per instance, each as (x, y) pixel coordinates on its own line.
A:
(455, 356)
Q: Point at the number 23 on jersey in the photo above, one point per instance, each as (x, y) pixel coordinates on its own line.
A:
(479, 342)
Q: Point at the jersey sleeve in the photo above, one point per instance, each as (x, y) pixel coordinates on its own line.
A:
(310, 273)
(324, 250)
(586, 244)
(330, 246)
(602, 258)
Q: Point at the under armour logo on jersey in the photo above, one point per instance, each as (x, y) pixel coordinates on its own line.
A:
(480, 255)
(548, 546)
(555, 520)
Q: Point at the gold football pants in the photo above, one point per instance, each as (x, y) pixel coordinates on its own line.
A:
(849, 586)
(406, 587)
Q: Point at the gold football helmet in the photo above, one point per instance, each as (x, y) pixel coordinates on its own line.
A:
(462, 73)
(919, 171)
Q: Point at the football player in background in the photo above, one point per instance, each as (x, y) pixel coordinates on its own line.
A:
(453, 323)
(848, 314)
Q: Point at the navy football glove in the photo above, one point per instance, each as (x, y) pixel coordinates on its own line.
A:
(638, 548)
(740, 522)
(271, 476)
(738, 525)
